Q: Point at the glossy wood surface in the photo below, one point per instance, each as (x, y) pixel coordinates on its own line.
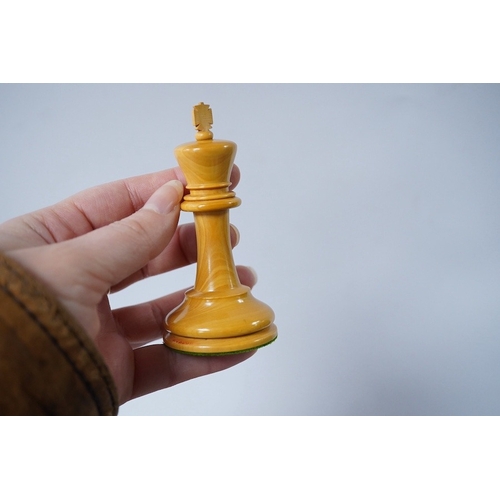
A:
(219, 315)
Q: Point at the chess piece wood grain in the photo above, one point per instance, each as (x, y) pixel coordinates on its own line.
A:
(219, 315)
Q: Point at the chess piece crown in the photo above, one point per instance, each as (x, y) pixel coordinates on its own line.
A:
(219, 315)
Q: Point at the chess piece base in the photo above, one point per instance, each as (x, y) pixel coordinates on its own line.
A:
(219, 322)
(221, 346)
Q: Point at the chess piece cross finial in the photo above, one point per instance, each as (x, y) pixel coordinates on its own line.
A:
(203, 120)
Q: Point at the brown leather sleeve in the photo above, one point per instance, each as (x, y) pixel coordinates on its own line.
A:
(48, 364)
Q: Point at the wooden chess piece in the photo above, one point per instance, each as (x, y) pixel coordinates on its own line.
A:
(219, 315)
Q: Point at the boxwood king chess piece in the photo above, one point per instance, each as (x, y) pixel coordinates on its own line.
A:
(219, 315)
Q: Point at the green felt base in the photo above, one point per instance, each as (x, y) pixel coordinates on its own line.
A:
(219, 353)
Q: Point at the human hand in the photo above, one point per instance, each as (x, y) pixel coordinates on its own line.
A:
(107, 238)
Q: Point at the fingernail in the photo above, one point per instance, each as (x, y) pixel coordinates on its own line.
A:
(236, 233)
(164, 199)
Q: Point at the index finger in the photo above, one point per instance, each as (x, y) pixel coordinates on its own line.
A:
(99, 206)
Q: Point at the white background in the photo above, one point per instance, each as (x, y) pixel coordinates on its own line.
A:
(370, 213)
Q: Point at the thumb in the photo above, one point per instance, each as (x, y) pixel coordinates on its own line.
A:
(80, 271)
(115, 251)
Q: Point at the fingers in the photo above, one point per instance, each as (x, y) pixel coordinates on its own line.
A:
(97, 207)
(143, 323)
(157, 367)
